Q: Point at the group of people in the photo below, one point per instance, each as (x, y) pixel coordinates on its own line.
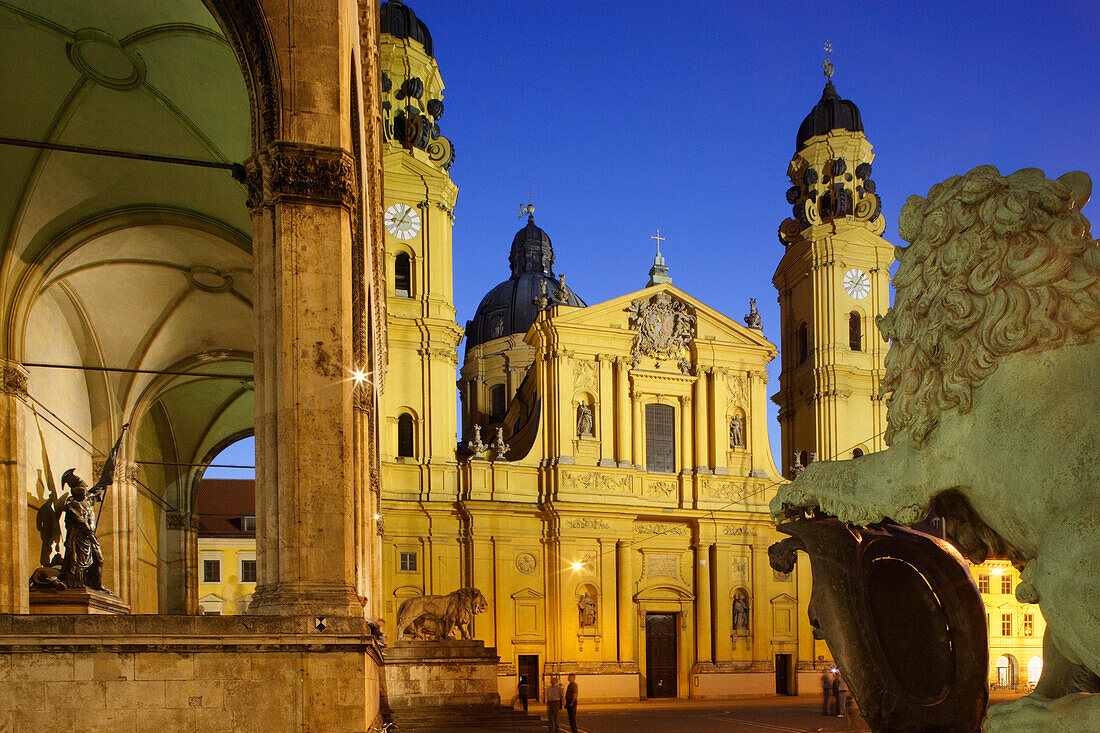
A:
(834, 693)
(554, 699)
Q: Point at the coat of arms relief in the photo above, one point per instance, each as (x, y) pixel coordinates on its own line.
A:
(665, 330)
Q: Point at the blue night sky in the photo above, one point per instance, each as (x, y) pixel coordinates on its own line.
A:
(625, 118)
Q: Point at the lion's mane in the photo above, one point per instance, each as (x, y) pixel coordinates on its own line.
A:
(996, 265)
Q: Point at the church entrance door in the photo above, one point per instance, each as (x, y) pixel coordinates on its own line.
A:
(660, 654)
(529, 669)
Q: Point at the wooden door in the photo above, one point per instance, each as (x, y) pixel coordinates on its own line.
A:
(660, 654)
(782, 674)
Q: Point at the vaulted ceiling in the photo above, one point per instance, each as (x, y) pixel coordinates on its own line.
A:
(149, 262)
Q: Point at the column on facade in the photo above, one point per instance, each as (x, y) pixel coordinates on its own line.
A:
(605, 411)
(622, 417)
(183, 561)
(567, 414)
(115, 520)
(685, 434)
(637, 457)
(703, 630)
(700, 399)
(719, 429)
(15, 565)
(503, 565)
(723, 611)
(484, 567)
(308, 559)
(624, 555)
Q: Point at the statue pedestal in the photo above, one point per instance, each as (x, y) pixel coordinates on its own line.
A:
(437, 674)
(80, 601)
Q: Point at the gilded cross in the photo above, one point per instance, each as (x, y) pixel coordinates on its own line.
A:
(659, 239)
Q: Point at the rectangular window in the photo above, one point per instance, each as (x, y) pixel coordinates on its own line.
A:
(1006, 624)
(211, 613)
(1006, 584)
(1029, 624)
(248, 571)
(407, 562)
(211, 571)
(248, 523)
(660, 439)
(983, 582)
(499, 397)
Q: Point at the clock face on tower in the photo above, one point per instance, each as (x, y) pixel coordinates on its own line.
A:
(402, 221)
(857, 284)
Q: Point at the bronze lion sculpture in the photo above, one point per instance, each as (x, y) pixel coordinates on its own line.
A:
(437, 617)
(994, 412)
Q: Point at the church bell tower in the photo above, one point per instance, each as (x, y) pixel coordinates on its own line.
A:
(833, 280)
(418, 413)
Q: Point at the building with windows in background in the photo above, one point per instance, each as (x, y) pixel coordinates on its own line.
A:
(226, 512)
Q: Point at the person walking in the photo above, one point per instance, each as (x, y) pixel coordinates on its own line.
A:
(840, 692)
(553, 704)
(571, 702)
(826, 692)
(524, 691)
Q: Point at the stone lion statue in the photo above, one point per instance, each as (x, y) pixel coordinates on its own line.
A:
(993, 378)
(437, 617)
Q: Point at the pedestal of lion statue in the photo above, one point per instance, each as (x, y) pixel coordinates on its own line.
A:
(438, 674)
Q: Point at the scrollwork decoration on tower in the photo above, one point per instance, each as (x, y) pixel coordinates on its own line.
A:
(665, 329)
(831, 193)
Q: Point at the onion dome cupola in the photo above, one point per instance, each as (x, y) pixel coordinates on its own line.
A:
(831, 169)
(412, 88)
(397, 19)
(512, 306)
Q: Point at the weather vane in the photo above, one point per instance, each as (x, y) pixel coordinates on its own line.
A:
(827, 64)
(527, 209)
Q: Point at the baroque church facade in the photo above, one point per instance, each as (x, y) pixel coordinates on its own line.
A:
(610, 487)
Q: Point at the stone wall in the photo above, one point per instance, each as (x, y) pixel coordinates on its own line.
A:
(176, 673)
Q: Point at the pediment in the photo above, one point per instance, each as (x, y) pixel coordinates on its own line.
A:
(664, 592)
(527, 593)
(614, 316)
(783, 598)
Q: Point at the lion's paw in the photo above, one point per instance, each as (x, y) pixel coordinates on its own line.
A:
(1078, 713)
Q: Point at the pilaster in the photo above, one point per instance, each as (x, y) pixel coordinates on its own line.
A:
(699, 397)
(623, 430)
(15, 414)
(624, 556)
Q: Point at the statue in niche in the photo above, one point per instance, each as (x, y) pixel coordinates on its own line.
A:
(81, 565)
(737, 430)
(995, 342)
(740, 613)
(587, 607)
(584, 420)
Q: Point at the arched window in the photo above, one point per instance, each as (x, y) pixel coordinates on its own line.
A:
(402, 276)
(405, 435)
(802, 343)
(498, 397)
(660, 438)
(855, 331)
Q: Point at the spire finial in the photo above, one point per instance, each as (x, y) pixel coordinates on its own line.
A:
(659, 239)
(659, 272)
(827, 64)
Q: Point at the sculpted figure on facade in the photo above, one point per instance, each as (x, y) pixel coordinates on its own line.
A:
(665, 330)
(476, 445)
(587, 608)
(435, 618)
(740, 613)
(499, 447)
(753, 320)
(737, 432)
(992, 408)
(584, 420)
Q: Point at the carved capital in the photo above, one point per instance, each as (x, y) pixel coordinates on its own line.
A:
(182, 520)
(15, 379)
(309, 174)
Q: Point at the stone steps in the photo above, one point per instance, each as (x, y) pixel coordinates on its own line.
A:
(464, 718)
